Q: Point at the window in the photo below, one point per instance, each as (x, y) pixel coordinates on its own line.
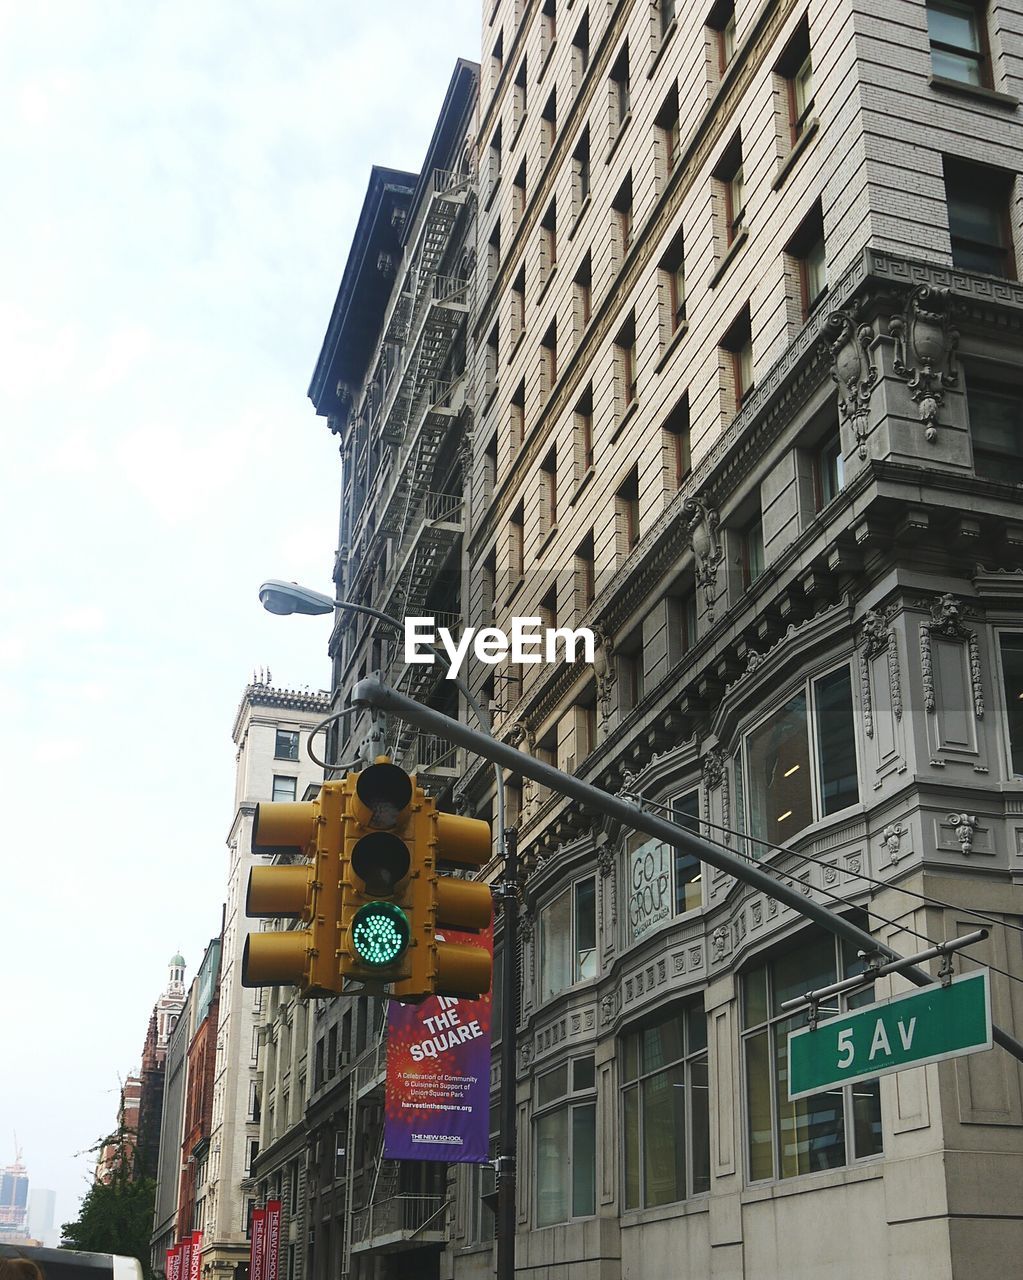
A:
(490, 361)
(584, 573)
(829, 472)
(548, 125)
(732, 185)
(673, 282)
(958, 41)
(581, 49)
(665, 1112)
(518, 307)
(497, 60)
(583, 434)
(752, 551)
(622, 206)
(676, 444)
(518, 197)
(669, 133)
(797, 770)
(1011, 645)
(996, 428)
(549, 242)
(663, 882)
(722, 25)
(581, 170)
(665, 16)
(518, 416)
(516, 543)
(796, 71)
(627, 511)
(625, 363)
(620, 96)
(549, 492)
(494, 159)
(549, 359)
(566, 1147)
(568, 939)
(482, 1181)
(978, 218)
(494, 253)
(829, 1130)
(583, 292)
(738, 347)
(806, 248)
(286, 744)
(284, 788)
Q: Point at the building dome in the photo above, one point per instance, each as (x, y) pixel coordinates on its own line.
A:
(177, 961)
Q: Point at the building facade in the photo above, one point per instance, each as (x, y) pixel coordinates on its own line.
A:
(746, 390)
(271, 732)
(168, 1169)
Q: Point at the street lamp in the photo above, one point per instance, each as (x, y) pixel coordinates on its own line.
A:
(280, 597)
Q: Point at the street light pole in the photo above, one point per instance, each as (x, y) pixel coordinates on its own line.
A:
(282, 597)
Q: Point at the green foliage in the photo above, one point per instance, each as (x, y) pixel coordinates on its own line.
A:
(116, 1216)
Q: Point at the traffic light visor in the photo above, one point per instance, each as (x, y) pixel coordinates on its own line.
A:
(283, 825)
(270, 959)
(380, 933)
(278, 891)
(383, 793)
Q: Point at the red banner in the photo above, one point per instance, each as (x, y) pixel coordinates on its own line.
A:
(186, 1259)
(193, 1273)
(172, 1257)
(257, 1253)
(273, 1238)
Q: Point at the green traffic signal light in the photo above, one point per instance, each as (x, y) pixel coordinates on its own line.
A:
(380, 933)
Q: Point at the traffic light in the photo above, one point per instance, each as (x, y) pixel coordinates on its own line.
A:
(394, 904)
(309, 891)
(438, 966)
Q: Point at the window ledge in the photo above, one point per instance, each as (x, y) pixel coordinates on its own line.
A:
(786, 166)
(630, 411)
(726, 261)
(590, 473)
(495, 187)
(547, 539)
(983, 94)
(491, 397)
(860, 1171)
(618, 137)
(699, 1203)
(672, 346)
(664, 42)
(516, 344)
(517, 132)
(579, 216)
(513, 590)
(547, 284)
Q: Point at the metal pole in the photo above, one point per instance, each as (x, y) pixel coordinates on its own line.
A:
(509, 1117)
(374, 694)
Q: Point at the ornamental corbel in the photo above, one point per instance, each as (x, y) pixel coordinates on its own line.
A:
(925, 351)
(964, 825)
(853, 372)
(605, 674)
(945, 620)
(702, 530)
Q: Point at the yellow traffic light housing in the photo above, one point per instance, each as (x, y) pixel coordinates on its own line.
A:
(439, 966)
(309, 891)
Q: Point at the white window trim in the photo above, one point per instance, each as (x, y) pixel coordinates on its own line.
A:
(567, 1101)
(570, 889)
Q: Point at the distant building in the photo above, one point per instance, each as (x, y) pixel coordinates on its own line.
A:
(13, 1200)
(42, 1207)
(165, 1209)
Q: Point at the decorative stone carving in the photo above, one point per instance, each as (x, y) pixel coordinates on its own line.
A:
(945, 620)
(715, 774)
(525, 1055)
(757, 913)
(964, 825)
(702, 528)
(606, 676)
(925, 350)
(607, 1010)
(607, 858)
(891, 841)
(521, 735)
(719, 943)
(877, 637)
(853, 372)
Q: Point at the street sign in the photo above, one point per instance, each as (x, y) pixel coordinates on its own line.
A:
(906, 1031)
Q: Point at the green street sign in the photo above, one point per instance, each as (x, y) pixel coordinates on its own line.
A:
(906, 1031)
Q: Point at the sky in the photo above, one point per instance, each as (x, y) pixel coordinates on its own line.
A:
(180, 188)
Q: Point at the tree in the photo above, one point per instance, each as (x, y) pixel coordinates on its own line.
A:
(116, 1214)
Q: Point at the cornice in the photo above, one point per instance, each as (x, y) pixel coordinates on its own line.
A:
(265, 695)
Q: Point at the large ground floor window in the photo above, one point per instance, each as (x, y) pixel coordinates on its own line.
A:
(831, 1129)
(665, 1114)
(565, 1129)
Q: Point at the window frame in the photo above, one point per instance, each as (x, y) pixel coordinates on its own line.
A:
(574, 1099)
(283, 777)
(626, 1086)
(571, 890)
(772, 1024)
(758, 850)
(1008, 751)
(994, 187)
(297, 744)
(638, 842)
(981, 56)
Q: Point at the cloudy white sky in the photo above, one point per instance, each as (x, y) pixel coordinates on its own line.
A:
(180, 187)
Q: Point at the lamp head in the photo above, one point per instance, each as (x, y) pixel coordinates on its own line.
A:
(278, 596)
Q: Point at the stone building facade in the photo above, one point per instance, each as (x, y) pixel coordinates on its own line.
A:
(746, 388)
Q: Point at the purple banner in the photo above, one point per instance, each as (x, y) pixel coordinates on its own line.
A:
(437, 1103)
